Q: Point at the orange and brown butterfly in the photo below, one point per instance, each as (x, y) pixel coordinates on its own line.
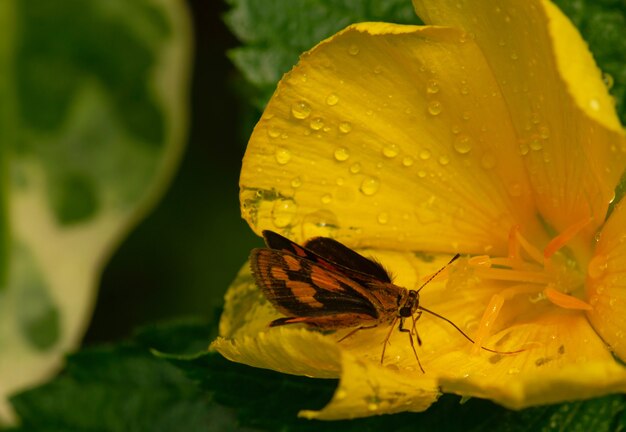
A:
(327, 285)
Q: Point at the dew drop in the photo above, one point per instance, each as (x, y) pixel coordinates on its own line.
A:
(463, 144)
(369, 186)
(383, 218)
(444, 160)
(544, 132)
(316, 123)
(345, 127)
(434, 108)
(425, 154)
(372, 406)
(515, 189)
(594, 104)
(342, 154)
(390, 150)
(535, 143)
(523, 149)
(421, 173)
(340, 181)
(464, 90)
(282, 155)
(326, 199)
(608, 80)
(273, 132)
(283, 212)
(332, 99)
(353, 50)
(355, 168)
(378, 69)
(296, 182)
(407, 161)
(432, 87)
(301, 110)
(488, 161)
(466, 115)
(597, 266)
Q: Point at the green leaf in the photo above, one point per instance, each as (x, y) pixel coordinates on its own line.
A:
(124, 387)
(276, 33)
(92, 122)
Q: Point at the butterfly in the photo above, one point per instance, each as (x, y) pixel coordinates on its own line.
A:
(326, 285)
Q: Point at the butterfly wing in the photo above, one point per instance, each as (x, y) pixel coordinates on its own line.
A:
(305, 289)
(331, 254)
(337, 253)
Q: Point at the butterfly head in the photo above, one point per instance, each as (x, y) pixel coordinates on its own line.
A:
(408, 303)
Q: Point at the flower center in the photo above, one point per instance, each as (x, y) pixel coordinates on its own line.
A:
(546, 276)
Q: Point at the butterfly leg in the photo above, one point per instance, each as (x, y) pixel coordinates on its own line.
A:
(403, 330)
(414, 328)
(356, 330)
(393, 324)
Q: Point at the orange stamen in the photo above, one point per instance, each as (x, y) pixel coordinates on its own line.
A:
(562, 239)
(513, 243)
(564, 300)
(489, 316)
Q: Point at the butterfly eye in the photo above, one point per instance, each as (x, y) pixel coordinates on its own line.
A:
(405, 311)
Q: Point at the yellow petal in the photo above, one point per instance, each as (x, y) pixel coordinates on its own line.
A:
(563, 116)
(393, 136)
(565, 360)
(367, 389)
(606, 282)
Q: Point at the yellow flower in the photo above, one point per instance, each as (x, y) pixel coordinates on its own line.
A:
(488, 132)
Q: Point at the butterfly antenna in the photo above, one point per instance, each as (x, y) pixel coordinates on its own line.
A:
(465, 334)
(433, 276)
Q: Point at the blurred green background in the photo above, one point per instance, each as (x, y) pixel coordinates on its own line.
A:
(182, 257)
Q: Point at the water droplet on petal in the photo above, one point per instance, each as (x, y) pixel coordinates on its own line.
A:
(273, 132)
(515, 189)
(332, 99)
(434, 108)
(283, 212)
(326, 199)
(369, 186)
(296, 182)
(523, 149)
(444, 160)
(383, 218)
(353, 50)
(301, 110)
(407, 161)
(463, 144)
(355, 168)
(342, 154)
(608, 80)
(488, 160)
(432, 86)
(390, 150)
(282, 155)
(345, 127)
(597, 266)
(316, 123)
(535, 143)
